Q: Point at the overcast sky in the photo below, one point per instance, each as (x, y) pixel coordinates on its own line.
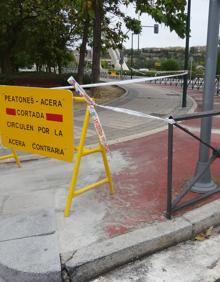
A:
(165, 38)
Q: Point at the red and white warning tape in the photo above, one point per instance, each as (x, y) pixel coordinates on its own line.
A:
(124, 82)
(91, 104)
(96, 121)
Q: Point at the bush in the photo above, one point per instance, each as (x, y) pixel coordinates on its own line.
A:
(39, 79)
(170, 65)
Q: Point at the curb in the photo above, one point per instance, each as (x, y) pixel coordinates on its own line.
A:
(119, 99)
(116, 100)
(98, 258)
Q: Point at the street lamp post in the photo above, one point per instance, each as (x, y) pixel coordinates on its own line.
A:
(206, 183)
(121, 61)
(185, 81)
(191, 64)
(132, 53)
(156, 30)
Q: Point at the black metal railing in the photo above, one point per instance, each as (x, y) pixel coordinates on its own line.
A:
(195, 83)
(176, 204)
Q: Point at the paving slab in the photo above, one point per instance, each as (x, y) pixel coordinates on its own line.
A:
(26, 202)
(35, 223)
(25, 179)
(2, 199)
(33, 259)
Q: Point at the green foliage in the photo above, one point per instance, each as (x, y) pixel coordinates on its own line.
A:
(133, 24)
(39, 31)
(40, 79)
(169, 12)
(33, 79)
(170, 65)
(33, 32)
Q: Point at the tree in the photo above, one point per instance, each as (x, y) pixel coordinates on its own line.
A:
(35, 30)
(103, 32)
(82, 10)
(14, 17)
(48, 46)
(97, 32)
(171, 13)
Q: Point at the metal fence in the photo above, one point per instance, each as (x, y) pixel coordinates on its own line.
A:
(176, 203)
(196, 83)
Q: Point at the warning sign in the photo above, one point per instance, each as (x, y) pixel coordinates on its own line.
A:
(37, 120)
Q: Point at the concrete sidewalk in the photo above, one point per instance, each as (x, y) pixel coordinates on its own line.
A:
(102, 231)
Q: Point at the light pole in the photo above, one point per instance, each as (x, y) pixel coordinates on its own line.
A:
(156, 31)
(191, 63)
(185, 81)
(206, 184)
(132, 53)
(121, 61)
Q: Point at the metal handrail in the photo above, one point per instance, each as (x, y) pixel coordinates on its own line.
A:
(173, 204)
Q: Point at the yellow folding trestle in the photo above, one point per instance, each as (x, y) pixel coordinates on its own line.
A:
(81, 152)
(12, 155)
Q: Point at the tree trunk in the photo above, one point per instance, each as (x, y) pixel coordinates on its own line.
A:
(59, 69)
(82, 52)
(7, 63)
(97, 40)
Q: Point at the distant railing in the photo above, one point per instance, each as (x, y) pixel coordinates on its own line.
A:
(196, 83)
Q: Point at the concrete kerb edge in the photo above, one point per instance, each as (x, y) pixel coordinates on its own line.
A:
(110, 103)
(122, 97)
(98, 258)
(194, 106)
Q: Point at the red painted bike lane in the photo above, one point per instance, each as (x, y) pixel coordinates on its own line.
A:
(141, 189)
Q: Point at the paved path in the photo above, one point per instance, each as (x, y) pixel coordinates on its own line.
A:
(139, 97)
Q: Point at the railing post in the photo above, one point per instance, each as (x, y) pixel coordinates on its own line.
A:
(169, 171)
(218, 90)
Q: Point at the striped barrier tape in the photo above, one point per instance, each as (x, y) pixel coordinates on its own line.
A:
(91, 104)
(122, 82)
(94, 115)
